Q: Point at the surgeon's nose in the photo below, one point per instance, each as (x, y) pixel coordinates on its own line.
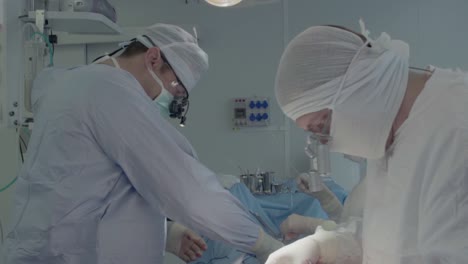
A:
(319, 128)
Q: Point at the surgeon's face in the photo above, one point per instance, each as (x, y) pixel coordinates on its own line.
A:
(156, 61)
(171, 82)
(319, 122)
(316, 122)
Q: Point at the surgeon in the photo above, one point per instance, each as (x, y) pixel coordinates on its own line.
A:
(411, 125)
(105, 168)
(180, 240)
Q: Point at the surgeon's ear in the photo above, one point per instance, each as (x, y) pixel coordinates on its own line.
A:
(153, 58)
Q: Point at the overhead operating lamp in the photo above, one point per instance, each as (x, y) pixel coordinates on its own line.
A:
(223, 3)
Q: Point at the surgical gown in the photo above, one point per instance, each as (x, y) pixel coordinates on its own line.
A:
(416, 200)
(103, 171)
(416, 208)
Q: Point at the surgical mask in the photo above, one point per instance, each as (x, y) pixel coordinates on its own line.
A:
(107, 57)
(165, 98)
(364, 112)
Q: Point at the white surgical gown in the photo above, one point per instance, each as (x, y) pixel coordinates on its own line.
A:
(103, 171)
(416, 207)
(416, 198)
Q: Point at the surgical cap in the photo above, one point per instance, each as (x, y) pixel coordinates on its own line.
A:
(316, 57)
(332, 68)
(181, 50)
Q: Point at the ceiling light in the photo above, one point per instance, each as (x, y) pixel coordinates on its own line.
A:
(223, 3)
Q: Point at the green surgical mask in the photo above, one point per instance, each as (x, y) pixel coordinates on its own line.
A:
(164, 99)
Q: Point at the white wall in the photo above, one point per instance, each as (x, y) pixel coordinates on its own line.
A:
(245, 46)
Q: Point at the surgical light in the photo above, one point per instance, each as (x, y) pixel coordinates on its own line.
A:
(223, 3)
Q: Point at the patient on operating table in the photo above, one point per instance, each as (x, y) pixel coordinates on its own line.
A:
(286, 215)
(296, 225)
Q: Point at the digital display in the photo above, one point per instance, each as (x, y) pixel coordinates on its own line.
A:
(240, 113)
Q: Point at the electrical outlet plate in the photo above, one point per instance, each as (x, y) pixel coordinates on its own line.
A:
(251, 112)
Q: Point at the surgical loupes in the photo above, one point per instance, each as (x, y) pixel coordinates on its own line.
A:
(318, 152)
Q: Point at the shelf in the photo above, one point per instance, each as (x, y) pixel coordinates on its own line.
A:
(75, 39)
(127, 33)
(78, 22)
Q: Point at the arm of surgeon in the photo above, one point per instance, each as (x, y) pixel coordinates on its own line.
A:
(183, 242)
(137, 138)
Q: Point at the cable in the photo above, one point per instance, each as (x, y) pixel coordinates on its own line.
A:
(49, 45)
(21, 152)
(184, 118)
(14, 180)
(28, 194)
(8, 185)
(32, 25)
(24, 144)
(53, 46)
(45, 38)
(112, 53)
(21, 131)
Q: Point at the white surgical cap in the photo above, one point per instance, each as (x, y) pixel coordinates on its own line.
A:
(332, 68)
(181, 50)
(319, 55)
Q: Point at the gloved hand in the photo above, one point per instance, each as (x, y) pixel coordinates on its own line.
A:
(184, 243)
(324, 247)
(303, 251)
(296, 225)
(320, 247)
(264, 246)
(329, 202)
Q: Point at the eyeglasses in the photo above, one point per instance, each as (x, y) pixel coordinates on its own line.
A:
(180, 104)
(178, 108)
(177, 84)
